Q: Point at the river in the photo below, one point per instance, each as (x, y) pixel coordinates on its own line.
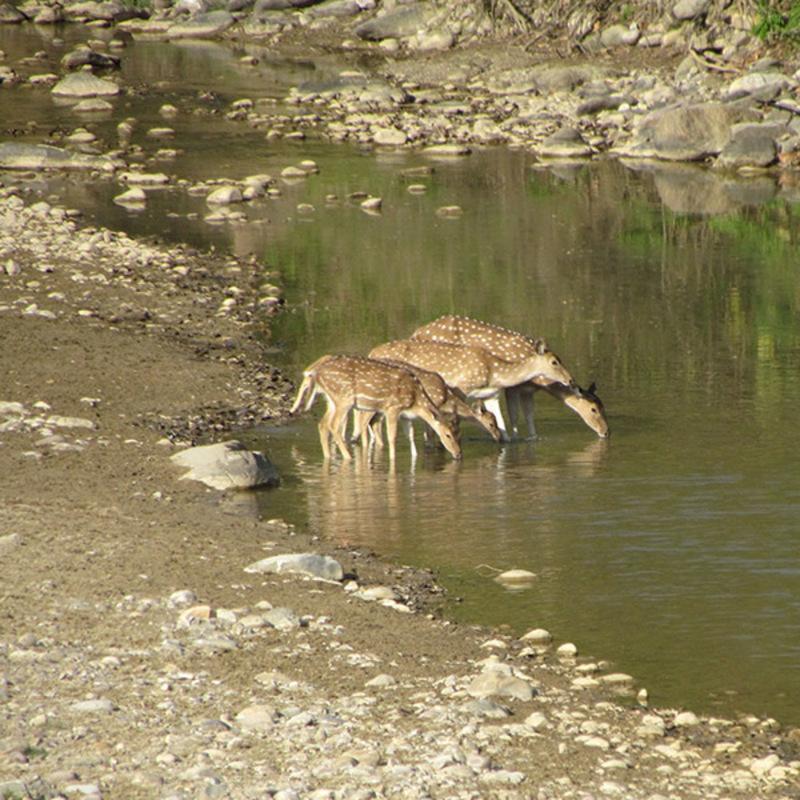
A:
(670, 549)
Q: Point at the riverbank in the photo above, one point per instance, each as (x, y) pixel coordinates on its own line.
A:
(141, 660)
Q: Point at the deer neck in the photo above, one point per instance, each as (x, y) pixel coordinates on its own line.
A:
(512, 373)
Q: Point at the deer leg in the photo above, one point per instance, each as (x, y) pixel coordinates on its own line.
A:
(527, 408)
(391, 416)
(408, 427)
(492, 405)
(324, 432)
(375, 434)
(337, 426)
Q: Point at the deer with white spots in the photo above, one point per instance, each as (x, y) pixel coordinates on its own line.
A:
(584, 402)
(355, 382)
(513, 346)
(475, 370)
(450, 401)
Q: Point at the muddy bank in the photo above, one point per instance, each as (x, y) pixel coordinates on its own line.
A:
(140, 659)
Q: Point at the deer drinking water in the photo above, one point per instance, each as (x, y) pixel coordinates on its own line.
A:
(584, 402)
(354, 382)
(514, 346)
(450, 401)
(475, 370)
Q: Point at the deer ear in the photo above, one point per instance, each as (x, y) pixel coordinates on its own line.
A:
(541, 346)
(592, 388)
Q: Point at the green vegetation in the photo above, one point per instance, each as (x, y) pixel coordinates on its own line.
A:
(778, 21)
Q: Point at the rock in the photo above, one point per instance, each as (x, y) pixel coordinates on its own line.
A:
(372, 204)
(225, 195)
(227, 465)
(687, 133)
(516, 577)
(341, 8)
(16, 155)
(750, 146)
(202, 26)
(564, 143)
(257, 718)
(686, 719)
(761, 766)
(99, 706)
(84, 84)
(447, 150)
(280, 5)
(536, 720)
(382, 681)
(10, 15)
(617, 35)
(537, 636)
(282, 619)
(499, 680)
(85, 56)
(398, 23)
(389, 137)
(92, 105)
(181, 598)
(9, 542)
(144, 178)
(689, 9)
(433, 40)
(133, 197)
(305, 563)
(763, 86)
(567, 650)
(293, 172)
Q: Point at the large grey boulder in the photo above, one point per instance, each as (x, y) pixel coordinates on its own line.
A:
(84, 84)
(396, 24)
(312, 564)
(107, 11)
(17, 155)
(687, 133)
(202, 26)
(751, 146)
(226, 465)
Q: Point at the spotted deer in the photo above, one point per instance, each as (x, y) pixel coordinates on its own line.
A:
(514, 346)
(355, 382)
(450, 401)
(584, 402)
(475, 370)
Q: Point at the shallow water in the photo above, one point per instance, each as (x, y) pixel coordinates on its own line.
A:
(671, 548)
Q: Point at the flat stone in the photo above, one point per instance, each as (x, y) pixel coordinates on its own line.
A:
(494, 684)
(99, 706)
(18, 155)
(282, 619)
(227, 465)
(516, 577)
(257, 717)
(537, 636)
(9, 542)
(202, 26)
(84, 84)
(304, 563)
(133, 197)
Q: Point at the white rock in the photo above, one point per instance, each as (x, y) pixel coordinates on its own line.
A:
(686, 719)
(567, 650)
(537, 636)
(225, 195)
(133, 197)
(99, 706)
(69, 422)
(536, 720)
(381, 681)
(493, 683)
(389, 137)
(257, 717)
(183, 597)
(305, 563)
(761, 766)
(516, 576)
(9, 543)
